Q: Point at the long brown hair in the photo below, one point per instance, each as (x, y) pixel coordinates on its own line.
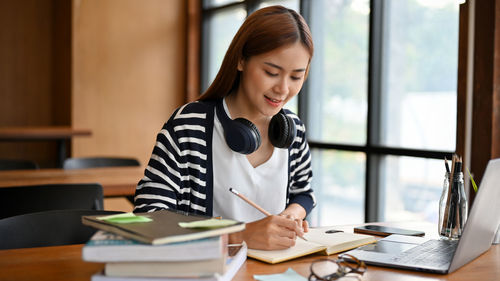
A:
(263, 31)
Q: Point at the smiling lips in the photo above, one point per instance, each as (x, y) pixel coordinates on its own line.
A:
(273, 102)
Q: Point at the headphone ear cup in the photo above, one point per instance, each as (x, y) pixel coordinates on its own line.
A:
(282, 130)
(242, 136)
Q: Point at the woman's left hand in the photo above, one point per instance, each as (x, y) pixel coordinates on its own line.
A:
(297, 213)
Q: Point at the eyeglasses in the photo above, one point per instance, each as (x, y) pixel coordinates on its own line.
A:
(328, 269)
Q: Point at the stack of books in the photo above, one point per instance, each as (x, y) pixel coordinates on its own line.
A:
(162, 250)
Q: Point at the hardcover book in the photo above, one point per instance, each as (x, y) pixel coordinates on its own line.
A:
(237, 255)
(110, 247)
(163, 227)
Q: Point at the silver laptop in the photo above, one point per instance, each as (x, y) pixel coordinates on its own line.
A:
(442, 256)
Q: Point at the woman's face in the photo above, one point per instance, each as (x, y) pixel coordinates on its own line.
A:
(268, 81)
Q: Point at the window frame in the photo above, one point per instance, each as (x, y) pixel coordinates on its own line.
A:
(373, 151)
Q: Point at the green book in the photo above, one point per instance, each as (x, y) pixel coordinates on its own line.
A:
(163, 227)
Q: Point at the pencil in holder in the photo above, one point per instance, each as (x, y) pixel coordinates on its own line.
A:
(453, 209)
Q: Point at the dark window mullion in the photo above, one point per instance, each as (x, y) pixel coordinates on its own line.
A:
(252, 6)
(383, 150)
(303, 97)
(373, 169)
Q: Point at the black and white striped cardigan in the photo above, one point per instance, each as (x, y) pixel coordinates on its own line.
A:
(180, 176)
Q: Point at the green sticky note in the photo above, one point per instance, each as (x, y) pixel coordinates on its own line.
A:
(209, 223)
(125, 218)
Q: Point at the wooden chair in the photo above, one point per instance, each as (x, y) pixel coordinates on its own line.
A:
(48, 228)
(35, 198)
(15, 164)
(96, 162)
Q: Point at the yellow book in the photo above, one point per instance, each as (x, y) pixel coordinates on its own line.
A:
(318, 241)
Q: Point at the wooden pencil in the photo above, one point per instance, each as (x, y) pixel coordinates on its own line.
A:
(446, 218)
(262, 210)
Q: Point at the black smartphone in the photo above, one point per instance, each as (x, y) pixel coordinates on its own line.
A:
(386, 230)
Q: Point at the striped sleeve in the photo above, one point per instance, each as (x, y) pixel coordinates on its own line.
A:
(176, 175)
(300, 190)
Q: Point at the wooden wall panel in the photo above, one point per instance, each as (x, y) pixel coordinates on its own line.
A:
(26, 74)
(193, 50)
(495, 149)
(128, 73)
(25, 53)
(485, 120)
(61, 63)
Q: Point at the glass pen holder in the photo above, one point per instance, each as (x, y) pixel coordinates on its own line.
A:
(452, 207)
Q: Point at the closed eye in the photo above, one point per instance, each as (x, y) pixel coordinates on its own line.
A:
(296, 78)
(271, 74)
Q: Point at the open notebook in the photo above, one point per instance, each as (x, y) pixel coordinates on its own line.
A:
(317, 241)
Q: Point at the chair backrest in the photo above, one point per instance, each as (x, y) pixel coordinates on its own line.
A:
(96, 162)
(19, 200)
(15, 164)
(48, 228)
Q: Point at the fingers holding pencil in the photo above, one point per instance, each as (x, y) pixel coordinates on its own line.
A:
(270, 233)
(298, 228)
(300, 224)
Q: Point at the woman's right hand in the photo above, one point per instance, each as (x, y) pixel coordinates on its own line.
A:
(271, 233)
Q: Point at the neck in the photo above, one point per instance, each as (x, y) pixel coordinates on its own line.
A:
(239, 108)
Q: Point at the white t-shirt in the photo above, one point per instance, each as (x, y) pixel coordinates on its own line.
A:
(265, 185)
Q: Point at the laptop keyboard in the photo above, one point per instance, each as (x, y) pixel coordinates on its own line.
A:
(430, 253)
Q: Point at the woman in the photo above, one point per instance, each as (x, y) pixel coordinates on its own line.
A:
(202, 150)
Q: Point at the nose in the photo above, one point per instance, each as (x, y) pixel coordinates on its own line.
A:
(282, 87)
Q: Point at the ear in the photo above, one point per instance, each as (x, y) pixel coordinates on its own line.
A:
(241, 64)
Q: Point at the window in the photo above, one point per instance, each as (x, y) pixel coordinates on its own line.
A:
(339, 80)
(220, 26)
(418, 103)
(379, 104)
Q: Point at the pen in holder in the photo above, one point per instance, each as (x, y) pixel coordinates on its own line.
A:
(453, 203)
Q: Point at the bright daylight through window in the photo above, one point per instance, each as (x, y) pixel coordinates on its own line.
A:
(383, 80)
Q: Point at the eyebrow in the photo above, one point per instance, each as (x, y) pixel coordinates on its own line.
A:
(281, 68)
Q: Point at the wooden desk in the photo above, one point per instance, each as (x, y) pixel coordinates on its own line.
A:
(61, 134)
(486, 267)
(116, 181)
(65, 263)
